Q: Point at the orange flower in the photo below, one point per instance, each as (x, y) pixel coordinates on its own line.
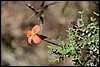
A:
(32, 35)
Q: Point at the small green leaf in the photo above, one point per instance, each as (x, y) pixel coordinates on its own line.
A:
(87, 31)
(91, 18)
(96, 13)
(79, 12)
(83, 34)
(89, 34)
(50, 47)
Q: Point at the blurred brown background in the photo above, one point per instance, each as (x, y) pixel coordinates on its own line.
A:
(16, 51)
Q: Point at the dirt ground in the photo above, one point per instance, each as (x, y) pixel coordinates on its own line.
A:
(16, 51)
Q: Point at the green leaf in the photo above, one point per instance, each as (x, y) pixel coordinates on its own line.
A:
(89, 34)
(50, 47)
(83, 34)
(54, 50)
(96, 13)
(91, 18)
(80, 12)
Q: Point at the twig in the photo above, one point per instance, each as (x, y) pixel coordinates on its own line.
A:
(39, 12)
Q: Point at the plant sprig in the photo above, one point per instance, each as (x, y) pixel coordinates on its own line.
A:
(79, 37)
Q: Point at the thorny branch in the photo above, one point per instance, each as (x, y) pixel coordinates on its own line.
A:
(39, 12)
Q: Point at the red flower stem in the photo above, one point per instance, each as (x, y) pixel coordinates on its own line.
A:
(49, 40)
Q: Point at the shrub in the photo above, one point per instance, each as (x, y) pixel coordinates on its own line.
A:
(80, 36)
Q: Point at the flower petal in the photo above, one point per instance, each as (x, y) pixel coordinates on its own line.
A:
(30, 39)
(36, 39)
(36, 29)
(28, 35)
